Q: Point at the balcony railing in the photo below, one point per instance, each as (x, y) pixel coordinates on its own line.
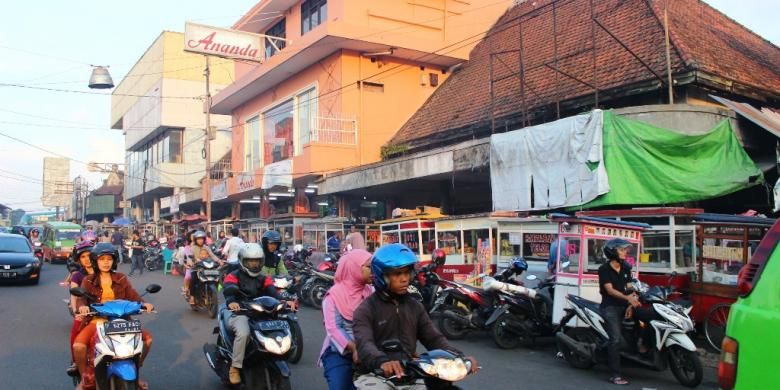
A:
(333, 130)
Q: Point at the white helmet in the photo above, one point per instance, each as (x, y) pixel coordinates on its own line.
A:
(254, 252)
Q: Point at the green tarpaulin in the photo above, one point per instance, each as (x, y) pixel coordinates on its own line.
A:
(648, 165)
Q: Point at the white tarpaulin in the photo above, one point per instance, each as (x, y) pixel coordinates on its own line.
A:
(557, 164)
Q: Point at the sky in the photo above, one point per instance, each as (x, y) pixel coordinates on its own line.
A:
(51, 44)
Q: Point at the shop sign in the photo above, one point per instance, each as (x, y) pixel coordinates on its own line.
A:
(165, 202)
(222, 42)
(277, 174)
(175, 202)
(219, 191)
(245, 181)
(537, 244)
(722, 253)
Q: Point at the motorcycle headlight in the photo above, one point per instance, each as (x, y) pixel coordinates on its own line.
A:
(278, 345)
(257, 307)
(429, 369)
(450, 370)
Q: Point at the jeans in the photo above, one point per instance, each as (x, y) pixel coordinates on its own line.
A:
(119, 253)
(338, 370)
(613, 318)
(137, 263)
(240, 326)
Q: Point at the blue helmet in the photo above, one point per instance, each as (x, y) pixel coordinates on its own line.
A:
(388, 258)
(519, 265)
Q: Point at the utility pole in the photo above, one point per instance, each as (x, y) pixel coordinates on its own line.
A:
(668, 56)
(207, 180)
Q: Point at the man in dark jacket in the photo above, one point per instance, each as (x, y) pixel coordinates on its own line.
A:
(251, 283)
(391, 314)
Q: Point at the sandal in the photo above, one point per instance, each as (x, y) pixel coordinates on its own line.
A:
(616, 380)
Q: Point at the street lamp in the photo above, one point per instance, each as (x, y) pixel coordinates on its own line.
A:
(100, 78)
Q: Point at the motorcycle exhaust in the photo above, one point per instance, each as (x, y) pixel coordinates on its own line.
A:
(210, 350)
(573, 345)
(462, 320)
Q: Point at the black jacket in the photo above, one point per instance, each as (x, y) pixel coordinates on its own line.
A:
(252, 287)
(380, 318)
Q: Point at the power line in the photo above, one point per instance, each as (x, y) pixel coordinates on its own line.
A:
(96, 93)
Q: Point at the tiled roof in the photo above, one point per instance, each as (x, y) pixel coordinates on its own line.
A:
(702, 39)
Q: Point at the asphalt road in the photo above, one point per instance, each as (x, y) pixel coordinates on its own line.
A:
(34, 329)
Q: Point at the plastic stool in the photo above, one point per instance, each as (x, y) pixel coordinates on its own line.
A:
(167, 261)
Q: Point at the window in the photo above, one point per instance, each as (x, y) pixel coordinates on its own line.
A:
(278, 131)
(313, 13)
(175, 142)
(278, 31)
(252, 144)
(472, 239)
(686, 250)
(656, 249)
(572, 262)
(596, 256)
(449, 242)
(307, 114)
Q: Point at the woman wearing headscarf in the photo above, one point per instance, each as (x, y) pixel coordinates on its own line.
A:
(352, 285)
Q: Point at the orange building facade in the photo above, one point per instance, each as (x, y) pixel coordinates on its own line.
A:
(338, 80)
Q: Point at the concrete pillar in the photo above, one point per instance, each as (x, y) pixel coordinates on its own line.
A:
(235, 211)
(445, 201)
(156, 209)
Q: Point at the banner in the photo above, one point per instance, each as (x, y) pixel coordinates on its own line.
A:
(277, 174)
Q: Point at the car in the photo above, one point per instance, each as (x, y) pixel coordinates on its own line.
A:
(17, 260)
(753, 322)
(4, 229)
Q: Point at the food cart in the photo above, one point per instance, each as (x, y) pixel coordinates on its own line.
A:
(666, 245)
(577, 266)
(316, 232)
(416, 232)
(290, 226)
(222, 225)
(501, 237)
(371, 234)
(724, 244)
(252, 229)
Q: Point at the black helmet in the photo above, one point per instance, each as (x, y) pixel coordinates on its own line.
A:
(611, 247)
(271, 236)
(103, 248)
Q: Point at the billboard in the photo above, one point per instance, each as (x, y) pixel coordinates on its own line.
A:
(222, 42)
(57, 187)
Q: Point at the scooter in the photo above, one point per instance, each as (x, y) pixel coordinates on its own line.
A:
(38, 250)
(582, 347)
(321, 282)
(270, 342)
(284, 286)
(524, 314)
(435, 369)
(206, 276)
(153, 258)
(117, 347)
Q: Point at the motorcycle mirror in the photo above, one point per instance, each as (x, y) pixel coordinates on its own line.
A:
(153, 288)
(392, 345)
(78, 292)
(531, 277)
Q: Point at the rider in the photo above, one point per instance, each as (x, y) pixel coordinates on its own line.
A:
(390, 314)
(200, 252)
(615, 283)
(273, 264)
(105, 285)
(252, 284)
(82, 268)
(35, 235)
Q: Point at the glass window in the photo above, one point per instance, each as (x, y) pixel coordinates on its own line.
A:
(449, 242)
(429, 243)
(313, 12)
(571, 263)
(252, 144)
(686, 250)
(471, 241)
(278, 30)
(656, 249)
(175, 146)
(596, 257)
(278, 126)
(721, 260)
(390, 238)
(411, 239)
(307, 113)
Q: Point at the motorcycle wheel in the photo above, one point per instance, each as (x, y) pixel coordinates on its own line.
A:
(503, 337)
(317, 294)
(213, 300)
(685, 365)
(575, 360)
(297, 336)
(451, 329)
(120, 384)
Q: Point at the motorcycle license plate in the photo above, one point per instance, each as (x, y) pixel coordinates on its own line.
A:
(7, 274)
(132, 326)
(211, 272)
(273, 325)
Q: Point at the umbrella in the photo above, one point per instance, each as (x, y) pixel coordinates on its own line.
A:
(121, 221)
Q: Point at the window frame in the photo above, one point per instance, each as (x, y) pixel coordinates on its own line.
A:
(308, 9)
(269, 48)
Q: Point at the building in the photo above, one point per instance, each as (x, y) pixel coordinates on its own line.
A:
(338, 79)
(546, 60)
(159, 108)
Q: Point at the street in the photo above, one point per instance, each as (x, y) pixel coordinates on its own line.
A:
(35, 325)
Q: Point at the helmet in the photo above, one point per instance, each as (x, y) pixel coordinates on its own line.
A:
(34, 230)
(89, 235)
(519, 265)
(103, 248)
(439, 257)
(84, 246)
(271, 236)
(199, 234)
(388, 258)
(611, 247)
(251, 251)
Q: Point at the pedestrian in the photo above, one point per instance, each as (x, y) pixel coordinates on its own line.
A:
(333, 243)
(231, 249)
(209, 240)
(137, 258)
(117, 240)
(104, 237)
(354, 240)
(352, 286)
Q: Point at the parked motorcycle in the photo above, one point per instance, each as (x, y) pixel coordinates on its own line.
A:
(116, 352)
(435, 369)
(523, 315)
(270, 343)
(321, 282)
(206, 276)
(285, 286)
(153, 258)
(426, 283)
(582, 347)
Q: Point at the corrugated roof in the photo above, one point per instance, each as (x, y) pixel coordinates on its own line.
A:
(763, 118)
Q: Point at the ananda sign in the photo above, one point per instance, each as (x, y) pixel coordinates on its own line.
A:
(222, 42)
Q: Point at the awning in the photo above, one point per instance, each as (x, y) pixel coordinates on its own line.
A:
(767, 118)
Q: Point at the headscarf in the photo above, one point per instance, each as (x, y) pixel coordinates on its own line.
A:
(349, 288)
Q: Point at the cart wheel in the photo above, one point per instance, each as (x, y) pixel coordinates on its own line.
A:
(715, 324)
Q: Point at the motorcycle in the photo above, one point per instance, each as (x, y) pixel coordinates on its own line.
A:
(38, 250)
(426, 285)
(114, 354)
(285, 286)
(269, 345)
(321, 282)
(582, 347)
(524, 314)
(206, 276)
(435, 369)
(153, 258)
